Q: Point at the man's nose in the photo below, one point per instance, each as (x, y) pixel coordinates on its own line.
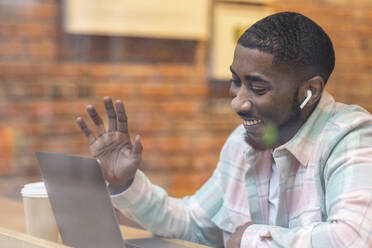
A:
(241, 103)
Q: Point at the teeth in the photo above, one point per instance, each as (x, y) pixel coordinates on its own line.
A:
(252, 122)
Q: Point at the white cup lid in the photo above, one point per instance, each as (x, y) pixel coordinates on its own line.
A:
(36, 190)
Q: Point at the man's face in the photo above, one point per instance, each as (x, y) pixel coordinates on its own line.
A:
(265, 97)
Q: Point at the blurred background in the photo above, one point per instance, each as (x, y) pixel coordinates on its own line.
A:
(57, 56)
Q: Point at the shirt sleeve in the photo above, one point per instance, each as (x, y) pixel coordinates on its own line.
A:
(348, 202)
(188, 218)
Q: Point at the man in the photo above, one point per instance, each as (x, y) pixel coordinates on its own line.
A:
(296, 173)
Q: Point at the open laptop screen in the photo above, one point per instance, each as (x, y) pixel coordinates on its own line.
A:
(80, 201)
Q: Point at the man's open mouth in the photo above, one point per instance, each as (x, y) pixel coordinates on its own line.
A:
(251, 122)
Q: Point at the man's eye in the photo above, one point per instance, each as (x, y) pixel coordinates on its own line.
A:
(236, 82)
(259, 91)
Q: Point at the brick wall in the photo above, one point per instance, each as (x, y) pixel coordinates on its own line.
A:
(47, 78)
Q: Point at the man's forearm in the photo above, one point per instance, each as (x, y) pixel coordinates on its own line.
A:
(157, 212)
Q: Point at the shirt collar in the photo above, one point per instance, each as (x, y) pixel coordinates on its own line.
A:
(303, 143)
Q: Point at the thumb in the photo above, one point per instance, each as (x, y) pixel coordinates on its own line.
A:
(137, 147)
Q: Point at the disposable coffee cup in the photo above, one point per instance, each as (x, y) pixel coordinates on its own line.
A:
(40, 221)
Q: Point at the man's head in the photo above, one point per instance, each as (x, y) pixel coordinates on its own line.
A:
(277, 60)
(295, 41)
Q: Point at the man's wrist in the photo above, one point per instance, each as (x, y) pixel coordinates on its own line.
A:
(118, 189)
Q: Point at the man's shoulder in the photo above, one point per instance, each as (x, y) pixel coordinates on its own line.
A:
(349, 116)
(332, 125)
(345, 127)
(348, 138)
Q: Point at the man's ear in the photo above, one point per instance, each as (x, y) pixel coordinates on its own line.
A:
(316, 85)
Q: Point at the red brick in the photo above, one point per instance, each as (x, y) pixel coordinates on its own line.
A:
(37, 11)
(26, 90)
(48, 110)
(156, 161)
(157, 89)
(24, 30)
(346, 43)
(207, 142)
(12, 69)
(355, 78)
(182, 107)
(174, 70)
(45, 49)
(172, 144)
(193, 89)
(62, 89)
(51, 31)
(205, 162)
(10, 111)
(146, 125)
(159, 178)
(336, 88)
(58, 127)
(344, 64)
(115, 89)
(363, 30)
(67, 69)
(136, 70)
(142, 108)
(336, 28)
(368, 15)
(101, 70)
(157, 123)
(7, 140)
(188, 125)
(222, 124)
(187, 182)
(367, 62)
(11, 48)
(332, 13)
(30, 128)
(357, 95)
(148, 142)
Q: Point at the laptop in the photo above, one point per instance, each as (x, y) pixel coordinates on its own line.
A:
(82, 205)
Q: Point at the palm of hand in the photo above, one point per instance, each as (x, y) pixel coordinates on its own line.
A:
(119, 159)
(112, 149)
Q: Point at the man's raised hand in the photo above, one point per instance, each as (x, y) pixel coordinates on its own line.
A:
(119, 158)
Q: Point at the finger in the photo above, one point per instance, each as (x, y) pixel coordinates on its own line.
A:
(86, 130)
(96, 119)
(137, 147)
(122, 117)
(111, 114)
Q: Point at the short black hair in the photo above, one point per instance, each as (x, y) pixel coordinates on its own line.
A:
(294, 40)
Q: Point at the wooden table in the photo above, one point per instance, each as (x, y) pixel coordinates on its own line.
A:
(12, 218)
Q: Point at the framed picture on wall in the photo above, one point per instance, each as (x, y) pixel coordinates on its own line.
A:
(181, 19)
(230, 20)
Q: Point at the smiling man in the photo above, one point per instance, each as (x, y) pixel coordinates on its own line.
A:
(296, 173)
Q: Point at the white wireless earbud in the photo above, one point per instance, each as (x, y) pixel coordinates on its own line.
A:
(307, 99)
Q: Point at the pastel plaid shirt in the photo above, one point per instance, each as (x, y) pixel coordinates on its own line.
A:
(325, 189)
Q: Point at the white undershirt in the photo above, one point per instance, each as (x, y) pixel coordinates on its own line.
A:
(273, 194)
